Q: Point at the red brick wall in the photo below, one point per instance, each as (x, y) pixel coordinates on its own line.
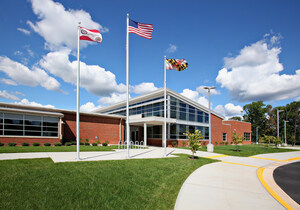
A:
(107, 129)
(240, 128)
(20, 140)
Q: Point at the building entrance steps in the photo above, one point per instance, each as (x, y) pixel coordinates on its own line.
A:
(232, 183)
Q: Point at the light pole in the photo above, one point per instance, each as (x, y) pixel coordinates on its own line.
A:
(278, 111)
(285, 144)
(210, 146)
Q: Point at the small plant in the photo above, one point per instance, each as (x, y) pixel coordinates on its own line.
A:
(94, 144)
(68, 144)
(87, 140)
(73, 142)
(216, 143)
(174, 143)
(57, 144)
(204, 143)
(105, 143)
(47, 144)
(81, 143)
(98, 141)
(36, 144)
(87, 144)
(226, 143)
(237, 139)
(221, 143)
(1, 144)
(193, 141)
(231, 142)
(24, 144)
(183, 143)
(12, 144)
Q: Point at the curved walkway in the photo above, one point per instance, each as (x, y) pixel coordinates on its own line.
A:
(233, 183)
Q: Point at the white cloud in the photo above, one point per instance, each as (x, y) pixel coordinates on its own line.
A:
(112, 99)
(229, 110)
(254, 75)
(143, 88)
(8, 82)
(6, 95)
(172, 48)
(18, 52)
(93, 78)
(58, 26)
(20, 74)
(88, 107)
(194, 95)
(32, 103)
(26, 32)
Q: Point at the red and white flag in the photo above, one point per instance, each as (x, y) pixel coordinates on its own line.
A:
(90, 35)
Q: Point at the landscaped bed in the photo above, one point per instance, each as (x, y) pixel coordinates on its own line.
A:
(122, 184)
(245, 150)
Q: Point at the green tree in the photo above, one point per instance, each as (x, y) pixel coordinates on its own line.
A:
(236, 118)
(292, 112)
(193, 141)
(237, 139)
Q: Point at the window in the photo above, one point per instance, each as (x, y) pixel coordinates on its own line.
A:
(224, 136)
(28, 125)
(247, 136)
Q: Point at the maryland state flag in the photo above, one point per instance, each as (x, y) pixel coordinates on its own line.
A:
(176, 64)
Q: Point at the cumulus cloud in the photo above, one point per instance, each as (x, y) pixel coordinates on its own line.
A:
(143, 88)
(8, 82)
(88, 107)
(172, 48)
(93, 78)
(6, 95)
(195, 96)
(20, 74)
(229, 110)
(32, 103)
(254, 74)
(58, 26)
(26, 32)
(112, 99)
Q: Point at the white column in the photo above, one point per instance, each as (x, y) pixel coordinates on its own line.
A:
(127, 84)
(145, 134)
(210, 146)
(78, 89)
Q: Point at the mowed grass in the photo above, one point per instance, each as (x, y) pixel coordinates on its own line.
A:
(245, 150)
(20, 149)
(122, 184)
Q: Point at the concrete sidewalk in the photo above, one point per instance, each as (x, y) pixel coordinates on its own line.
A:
(232, 184)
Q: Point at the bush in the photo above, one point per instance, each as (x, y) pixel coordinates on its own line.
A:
(24, 144)
(68, 144)
(216, 143)
(226, 143)
(47, 144)
(183, 143)
(105, 143)
(36, 144)
(1, 144)
(12, 144)
(204, 143)
(57, 144)
(81, 143)
(94, 144)
(74, 142)
(87, 144)
(174, 143)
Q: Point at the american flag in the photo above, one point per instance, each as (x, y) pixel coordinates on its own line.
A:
(141, 29)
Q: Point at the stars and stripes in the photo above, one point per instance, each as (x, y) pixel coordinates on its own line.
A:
(141, 29)
(90, 35)
(176, 64)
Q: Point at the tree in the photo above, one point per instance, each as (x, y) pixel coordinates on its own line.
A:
(256, 114)
(292, 115)
(193, 141)
(237, 139)
(236, 118)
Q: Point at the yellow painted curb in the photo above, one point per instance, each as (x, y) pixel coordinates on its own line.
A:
(260, 176)
(216, 156)
(240, 164)
(265, 158)
(291, 159)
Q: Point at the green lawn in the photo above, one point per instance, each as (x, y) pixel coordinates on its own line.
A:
(121, 184)
(18, 149)
(245, 150)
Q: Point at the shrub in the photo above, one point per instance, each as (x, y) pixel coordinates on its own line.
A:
(81, 143)
(57, 144)
(68, 144)
(73, 142)
(204, 143)
(98, 141)
(87, 144)
(87, 140)
(174, 143)
(36, 144)
(216, 143)
(226, 143)
(1, 144)
(183, 143)
(12, 144)
(47, 144)
(94, 144)
(105, 143)
(24, 144)
(221, 143)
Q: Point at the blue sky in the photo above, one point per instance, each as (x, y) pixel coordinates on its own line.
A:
(249, 50)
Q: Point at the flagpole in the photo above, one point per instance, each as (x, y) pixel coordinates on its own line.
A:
(78, 84)
(165, 107)
(127, 84)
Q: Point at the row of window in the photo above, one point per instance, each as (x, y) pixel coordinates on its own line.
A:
(246, 137)
(28, 125)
